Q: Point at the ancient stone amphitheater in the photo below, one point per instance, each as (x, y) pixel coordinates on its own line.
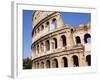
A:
(56, 45)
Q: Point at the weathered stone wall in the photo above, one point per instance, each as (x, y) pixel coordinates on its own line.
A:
(57, 45)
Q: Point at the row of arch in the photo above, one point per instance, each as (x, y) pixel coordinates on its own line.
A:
(87, 38)
(47, 25)
(64, 62)
(54, 43)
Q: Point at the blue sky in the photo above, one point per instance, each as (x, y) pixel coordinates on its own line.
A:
(75, 19)
(27, 33)
(70, 18)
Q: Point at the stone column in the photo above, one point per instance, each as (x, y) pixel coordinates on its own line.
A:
(60, 22)
(45, 28)
(39, 49)
(36, 51)
(81, 60)
(45, 64)
(39, 65)
(50, 63)
(70, 61)
(50, 45)
(34, 65)
(59, 42)
(69, 38)
(44, 47)
(33, 53)
(59, 62)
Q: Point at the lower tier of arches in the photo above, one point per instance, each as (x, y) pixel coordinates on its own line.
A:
(61, 61)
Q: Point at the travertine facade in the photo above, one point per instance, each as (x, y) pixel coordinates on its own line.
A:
(55, 45)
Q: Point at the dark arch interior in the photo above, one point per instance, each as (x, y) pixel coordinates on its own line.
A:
(48, 64)
(47, 45)
(55, 42)
(63, 40)
(65, 62)
(47, 23)
(55, 63)
(48, 26)
(86, 38)
(75, 60)
(42, 64)
(54, 21)
(42, 27)
(42, 47)
(88, 60)
(38, 48)
(78, 40)
(37, 65)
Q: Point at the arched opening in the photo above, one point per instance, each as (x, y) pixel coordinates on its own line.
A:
(63, 38)
(75, 61)
(48, 64)
(47, 45)
(54, 43)
(42, 64)
(42, 47)
(87, 38)
(54, 22)
(72, 30)
(42, 27)
(38, 49)
(64, 62)
(38, 30)
(37, 65)
(48, 26)
(78, 40)
(55, 63)
(88, 60)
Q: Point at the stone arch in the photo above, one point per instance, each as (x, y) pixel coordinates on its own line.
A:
(78, 40)
(72, 30)
(42, 27)
(38, 48)
(48, 26)
(63, 39)
(38, 65)
(48, 64)
(42, 47)
(75, 60)
(54, 22)
(38, 30)
(64, 62)
(47, 45)
(54, 43)
(88, 60)
(87, 38)
(55, 63)
(42, 64)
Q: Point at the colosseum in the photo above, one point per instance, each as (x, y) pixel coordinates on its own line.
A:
(56, 45)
